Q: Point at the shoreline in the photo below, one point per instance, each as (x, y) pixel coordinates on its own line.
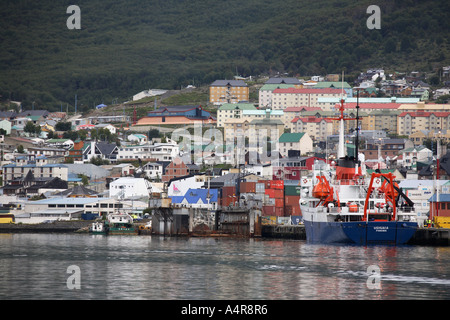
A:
(423, 236)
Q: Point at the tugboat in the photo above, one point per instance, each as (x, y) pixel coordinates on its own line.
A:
(120, 224)
(341, 205)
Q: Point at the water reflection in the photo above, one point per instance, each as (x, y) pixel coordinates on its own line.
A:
(34, 266)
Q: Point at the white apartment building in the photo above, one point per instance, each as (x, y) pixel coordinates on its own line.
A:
(156, 152)
(37, 165)
(129, 188)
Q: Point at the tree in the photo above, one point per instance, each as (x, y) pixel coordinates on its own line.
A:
(390, 46)
(63, 126)
(30, 128)
(20, 149)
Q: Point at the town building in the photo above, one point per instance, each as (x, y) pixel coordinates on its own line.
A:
(38, 166)
(385, 148)
(335, 85)
(130, 188)
(177, 168)
(265, 93)
(420, 136)
(176, 115)
(165, 151)
(410, 122)
(300, 141)
(230, 111)
(291, 97)
(103, 150)
(411, 156)
(316, 128)
(228, 91)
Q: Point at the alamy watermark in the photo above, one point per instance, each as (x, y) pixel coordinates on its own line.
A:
(74, 21)
(374, 280)
(374, 21)
(74, 280)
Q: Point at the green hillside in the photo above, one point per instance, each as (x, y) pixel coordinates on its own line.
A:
(124, 47)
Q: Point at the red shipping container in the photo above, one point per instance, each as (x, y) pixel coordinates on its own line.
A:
(296, 211)
(228, 191)
(279, 212)
(268, 210)
(248, 187)
(277, 184)
(270, 192)
(279, 203)
(278, 193)
(288, 210)
(292, 200)
(266, 183)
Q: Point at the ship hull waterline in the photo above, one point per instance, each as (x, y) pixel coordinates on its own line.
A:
(360, 232)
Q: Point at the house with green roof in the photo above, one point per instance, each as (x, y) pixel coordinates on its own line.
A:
(232, 111)
(335, 85)
(300, 141)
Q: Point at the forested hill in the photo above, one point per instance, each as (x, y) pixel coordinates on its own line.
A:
(126, 46)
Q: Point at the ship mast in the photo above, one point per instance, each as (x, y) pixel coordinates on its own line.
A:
(341, 119)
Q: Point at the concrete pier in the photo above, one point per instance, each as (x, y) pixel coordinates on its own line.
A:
(296, 232)
(431, 237)
(53, 227)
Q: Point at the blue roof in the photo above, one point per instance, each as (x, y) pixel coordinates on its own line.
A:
(193, 195)
(442, 198)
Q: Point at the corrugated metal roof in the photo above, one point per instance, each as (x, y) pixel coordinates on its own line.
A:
(442, 198)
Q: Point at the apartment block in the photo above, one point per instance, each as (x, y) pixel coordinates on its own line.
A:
(291, 97)
(228, 91)
(410, 122)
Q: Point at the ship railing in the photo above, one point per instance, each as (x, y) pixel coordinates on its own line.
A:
(348, 182)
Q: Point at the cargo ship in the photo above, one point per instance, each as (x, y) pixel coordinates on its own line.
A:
(339, 204)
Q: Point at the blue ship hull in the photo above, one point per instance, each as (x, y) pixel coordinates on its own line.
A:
(361, 233)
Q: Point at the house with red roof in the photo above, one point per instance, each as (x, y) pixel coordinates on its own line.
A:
(293, 97)
(317, 128)
(411, 122)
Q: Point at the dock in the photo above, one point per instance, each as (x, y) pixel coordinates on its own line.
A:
(296, 232)
(431, 237)
(52, 227)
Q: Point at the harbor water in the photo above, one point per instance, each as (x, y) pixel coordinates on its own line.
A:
(82, 266)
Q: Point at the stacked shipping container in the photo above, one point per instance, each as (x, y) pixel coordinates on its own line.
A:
(292, 200)
(275, 191)
(273, 197)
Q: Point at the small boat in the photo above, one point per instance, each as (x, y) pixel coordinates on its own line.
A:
(120, 224)
(97, 228)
